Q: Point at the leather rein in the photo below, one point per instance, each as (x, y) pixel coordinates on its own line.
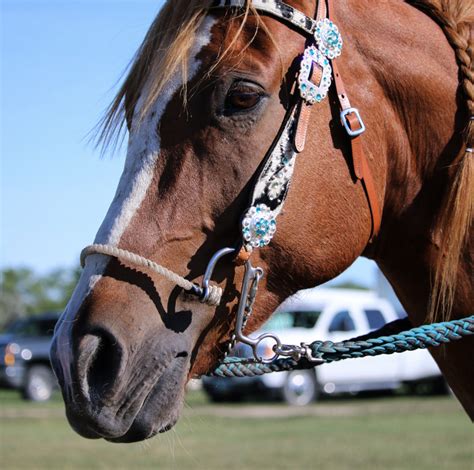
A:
(318, 69)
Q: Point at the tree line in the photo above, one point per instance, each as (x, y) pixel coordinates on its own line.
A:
(27, 292)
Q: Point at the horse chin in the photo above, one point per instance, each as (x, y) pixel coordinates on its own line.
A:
(161, 409)
(157, 413)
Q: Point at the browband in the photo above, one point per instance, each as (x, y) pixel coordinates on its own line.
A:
(275, 8)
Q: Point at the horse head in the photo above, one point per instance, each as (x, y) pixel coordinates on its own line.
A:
(203, 102)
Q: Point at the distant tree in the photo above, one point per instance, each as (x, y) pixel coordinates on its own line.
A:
(351, 285)
(23, 292)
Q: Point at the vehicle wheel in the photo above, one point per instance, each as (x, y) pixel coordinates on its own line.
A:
(39, 384)
(301, 388)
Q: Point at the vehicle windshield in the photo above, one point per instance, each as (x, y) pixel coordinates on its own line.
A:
(284, 320)
(32, 327)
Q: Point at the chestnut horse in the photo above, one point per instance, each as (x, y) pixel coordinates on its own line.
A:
(204, 99)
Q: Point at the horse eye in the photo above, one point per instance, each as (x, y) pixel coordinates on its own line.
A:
(242, 98)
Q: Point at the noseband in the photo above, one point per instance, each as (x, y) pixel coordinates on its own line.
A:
(317, 71)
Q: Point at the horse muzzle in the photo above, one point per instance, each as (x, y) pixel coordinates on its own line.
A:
(119, 382)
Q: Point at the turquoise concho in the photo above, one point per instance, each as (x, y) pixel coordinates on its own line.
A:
(309, 91)
(258, 226)
(328, 38)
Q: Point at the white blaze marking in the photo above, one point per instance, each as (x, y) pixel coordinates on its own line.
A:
(143, 151)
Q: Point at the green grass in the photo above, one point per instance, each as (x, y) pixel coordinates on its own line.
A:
(383, 433)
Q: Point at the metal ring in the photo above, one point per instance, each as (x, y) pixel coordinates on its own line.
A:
(275, 347)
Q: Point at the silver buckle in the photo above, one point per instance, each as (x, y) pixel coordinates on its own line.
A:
(345, 123)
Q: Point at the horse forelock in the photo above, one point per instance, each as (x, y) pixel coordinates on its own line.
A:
(165, 52)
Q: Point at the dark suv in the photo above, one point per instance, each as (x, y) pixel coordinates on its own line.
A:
(24, 356)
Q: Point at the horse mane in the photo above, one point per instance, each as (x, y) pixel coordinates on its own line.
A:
(454, 222)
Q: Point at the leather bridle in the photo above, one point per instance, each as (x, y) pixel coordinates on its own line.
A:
(318, 68)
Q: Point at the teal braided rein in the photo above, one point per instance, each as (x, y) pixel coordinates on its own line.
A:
(369, 345)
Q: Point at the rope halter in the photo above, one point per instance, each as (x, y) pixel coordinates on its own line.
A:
(212, 295)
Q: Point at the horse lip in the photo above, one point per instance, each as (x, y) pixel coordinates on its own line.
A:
(128, 439)
(83, 429)
(129, 433)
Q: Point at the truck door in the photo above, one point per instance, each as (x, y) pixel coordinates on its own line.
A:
(342, 325)
(381, 369)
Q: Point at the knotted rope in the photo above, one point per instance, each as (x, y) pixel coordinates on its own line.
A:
(369, 345)
(215, 292)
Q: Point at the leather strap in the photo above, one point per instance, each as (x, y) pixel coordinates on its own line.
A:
(353, 122)
(242, 257)
(359, 160)
(305, 108)
(371, 193)
(340, 89)
(305, 114)
(321, 10)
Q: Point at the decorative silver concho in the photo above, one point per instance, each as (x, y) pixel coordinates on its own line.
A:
(328, 38)
(258, 226)
(329, 46)
(310, 92)
(259, 222)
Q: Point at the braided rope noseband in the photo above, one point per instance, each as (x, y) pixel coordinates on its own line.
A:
(215, 292)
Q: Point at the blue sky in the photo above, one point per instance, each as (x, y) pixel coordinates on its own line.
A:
(61, 61)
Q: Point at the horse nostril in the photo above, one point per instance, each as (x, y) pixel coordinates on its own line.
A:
(98, 364)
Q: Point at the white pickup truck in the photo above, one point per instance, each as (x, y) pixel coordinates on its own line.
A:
(335, 315)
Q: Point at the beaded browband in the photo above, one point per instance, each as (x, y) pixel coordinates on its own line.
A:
(275, 8)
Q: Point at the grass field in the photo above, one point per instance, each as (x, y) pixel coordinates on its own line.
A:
(370, 433)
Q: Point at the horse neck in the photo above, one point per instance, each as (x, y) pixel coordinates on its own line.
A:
(419, 130)
(418, 139)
